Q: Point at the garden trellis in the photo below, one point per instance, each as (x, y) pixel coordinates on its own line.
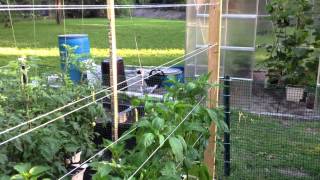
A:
(250, 102)
(238, 40)
(100, 94)
(75, 102)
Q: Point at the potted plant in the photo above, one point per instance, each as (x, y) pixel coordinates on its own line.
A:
(290, 59)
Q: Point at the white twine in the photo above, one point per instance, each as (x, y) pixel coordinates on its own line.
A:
(100, 153)
(174, 130)
(92, 7)
(86, 105)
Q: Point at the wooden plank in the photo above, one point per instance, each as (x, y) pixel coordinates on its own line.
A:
(113, 67)
(214, 69)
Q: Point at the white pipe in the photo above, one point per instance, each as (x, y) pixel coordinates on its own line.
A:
(240, 16)
(140, 95)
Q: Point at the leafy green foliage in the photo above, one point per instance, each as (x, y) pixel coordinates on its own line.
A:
(177, 148)
(291, 59)
(185, 146)
(51, 145)
(27, 172)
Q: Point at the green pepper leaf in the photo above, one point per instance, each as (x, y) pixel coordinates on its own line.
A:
(176, 147)
(37, 170)
(22, 168)
(147, 139)
(157, 123)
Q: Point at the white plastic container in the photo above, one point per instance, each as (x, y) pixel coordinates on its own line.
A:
(294, 94)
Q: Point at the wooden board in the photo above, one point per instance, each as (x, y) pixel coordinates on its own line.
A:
(214, 69)
(113, 67)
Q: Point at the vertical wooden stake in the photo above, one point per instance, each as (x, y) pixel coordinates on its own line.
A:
(113, 67)
(214, 69)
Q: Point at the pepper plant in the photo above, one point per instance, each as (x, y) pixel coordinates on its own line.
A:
(27, 172)
(183, 152)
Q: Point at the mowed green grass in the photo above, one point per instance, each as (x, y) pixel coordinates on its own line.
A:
(262, 148)
(158, 40)
(266, 148)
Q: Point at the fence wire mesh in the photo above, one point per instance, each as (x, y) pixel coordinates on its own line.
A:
(275, 132)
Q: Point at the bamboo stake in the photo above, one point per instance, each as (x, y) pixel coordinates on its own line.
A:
(113, 68)
(214, 69)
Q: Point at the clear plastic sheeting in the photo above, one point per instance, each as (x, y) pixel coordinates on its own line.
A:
(239, 6)
(318, 81)
(238, 32)
(197, 37)
(318, 91)
(238, 41)
(238, 64)
(264, 26)
(238, 37)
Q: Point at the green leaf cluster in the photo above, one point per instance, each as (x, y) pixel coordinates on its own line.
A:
(291, 57)
(52, 144)
(185, 146)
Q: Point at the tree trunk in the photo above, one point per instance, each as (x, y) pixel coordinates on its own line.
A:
(58, 12)
(6, 17)
(6, 21)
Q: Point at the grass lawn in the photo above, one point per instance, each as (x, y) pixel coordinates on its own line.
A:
(158, 40)
(264, 148)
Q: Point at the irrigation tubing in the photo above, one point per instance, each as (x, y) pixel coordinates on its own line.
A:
(92, 7)
(86, 105)
(97, 154)
(174, 130)
(84, 98)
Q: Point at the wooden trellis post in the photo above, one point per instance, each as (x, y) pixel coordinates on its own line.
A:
(113, 68)
(214, 69)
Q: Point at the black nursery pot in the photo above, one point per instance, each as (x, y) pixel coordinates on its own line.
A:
(104, 131)
(88, 174)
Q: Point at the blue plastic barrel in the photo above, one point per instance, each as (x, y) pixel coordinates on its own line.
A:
(180, 77)
(81, 41)
(176, 73)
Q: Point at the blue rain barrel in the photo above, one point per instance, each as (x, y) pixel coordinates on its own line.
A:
(81, 41)
(176, 73)
(180, 77)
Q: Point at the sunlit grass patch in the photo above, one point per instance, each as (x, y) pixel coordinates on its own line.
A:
(95, 52)
(49, 57)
